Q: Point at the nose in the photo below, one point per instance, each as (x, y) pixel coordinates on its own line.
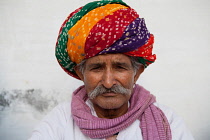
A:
(108, 78)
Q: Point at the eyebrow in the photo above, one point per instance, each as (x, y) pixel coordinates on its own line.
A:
(121, 64)
(96, 64)
(115, 63)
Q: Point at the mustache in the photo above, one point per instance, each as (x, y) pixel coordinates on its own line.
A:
(101, 90)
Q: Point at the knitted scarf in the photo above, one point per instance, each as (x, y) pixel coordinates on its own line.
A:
(153, 123)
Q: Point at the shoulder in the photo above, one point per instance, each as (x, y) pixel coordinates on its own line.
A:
(178, 128)
(61, 110)
(53, 125)
(169, 113)
(61, 113)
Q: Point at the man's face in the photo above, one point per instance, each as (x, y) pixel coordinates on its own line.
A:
(109, 70)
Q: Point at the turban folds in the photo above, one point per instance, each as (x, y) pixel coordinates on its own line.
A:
(103, 27)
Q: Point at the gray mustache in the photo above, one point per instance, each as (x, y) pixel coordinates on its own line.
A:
(101, 90)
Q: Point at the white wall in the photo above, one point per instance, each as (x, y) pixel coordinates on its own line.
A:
(31, 81)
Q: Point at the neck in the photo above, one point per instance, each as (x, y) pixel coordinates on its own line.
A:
(110, 113)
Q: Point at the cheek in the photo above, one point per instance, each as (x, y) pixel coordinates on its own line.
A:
(90, 82)
(126, 79)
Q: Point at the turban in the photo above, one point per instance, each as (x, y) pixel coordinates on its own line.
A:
(103, 27)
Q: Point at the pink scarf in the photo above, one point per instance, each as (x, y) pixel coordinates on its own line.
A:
(154, 124)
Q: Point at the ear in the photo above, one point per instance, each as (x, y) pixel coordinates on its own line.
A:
(79, 73)
(138, 72)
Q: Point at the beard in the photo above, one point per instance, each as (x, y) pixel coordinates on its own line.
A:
(114, 89)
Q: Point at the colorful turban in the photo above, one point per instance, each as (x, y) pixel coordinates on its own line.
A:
(103, 27)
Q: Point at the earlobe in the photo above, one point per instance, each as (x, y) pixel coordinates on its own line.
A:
(79, 73)
(138, 73)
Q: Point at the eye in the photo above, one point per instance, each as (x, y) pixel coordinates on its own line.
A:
(120, 67)
(96, 68)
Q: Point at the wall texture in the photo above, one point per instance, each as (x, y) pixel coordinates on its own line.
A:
(32, 83)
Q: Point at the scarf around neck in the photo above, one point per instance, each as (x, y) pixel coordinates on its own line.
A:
(153, 122)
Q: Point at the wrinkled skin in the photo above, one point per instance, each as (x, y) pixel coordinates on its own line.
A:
(108, 70)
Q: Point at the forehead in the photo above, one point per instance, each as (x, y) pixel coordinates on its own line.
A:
(109, 58)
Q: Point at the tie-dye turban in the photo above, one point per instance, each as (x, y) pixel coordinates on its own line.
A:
(102, 27)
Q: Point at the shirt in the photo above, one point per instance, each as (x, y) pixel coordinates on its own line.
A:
(59, 125)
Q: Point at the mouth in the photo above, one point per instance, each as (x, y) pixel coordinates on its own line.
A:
(109, 94)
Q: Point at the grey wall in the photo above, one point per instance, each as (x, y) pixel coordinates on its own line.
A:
(32, 83)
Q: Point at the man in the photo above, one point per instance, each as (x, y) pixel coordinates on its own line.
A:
(107, 46)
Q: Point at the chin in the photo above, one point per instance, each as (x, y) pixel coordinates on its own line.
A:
(110, 104)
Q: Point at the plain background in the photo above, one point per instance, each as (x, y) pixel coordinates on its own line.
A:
(32, 82)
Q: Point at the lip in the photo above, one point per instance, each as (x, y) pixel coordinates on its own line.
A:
(109, 94)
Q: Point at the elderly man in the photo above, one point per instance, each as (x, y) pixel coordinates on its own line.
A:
(107, 46)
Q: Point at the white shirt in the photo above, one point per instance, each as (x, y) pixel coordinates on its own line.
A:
(59, 125)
